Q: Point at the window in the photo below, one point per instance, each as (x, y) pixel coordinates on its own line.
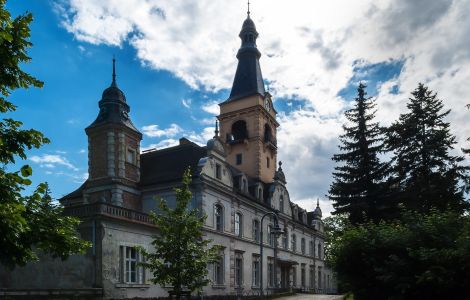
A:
(285, 239)
(302, 275)
(302, 245)
(294, 243)
(239, 131)
(239, 159)
(219, 217)
(218, 173)
(131, 156)
(219, 270)
(256, 230)
(238, 224)
(238, 270)
(267, 133)
(130, 272)
(281, 203)
(243, 189)
(270, 236)
(270, 273)
(267, 162)
(319, 251)
(311, 248)
(260, 193)
(312, 277)
(294, 276)
(319, 278)
(255, 269)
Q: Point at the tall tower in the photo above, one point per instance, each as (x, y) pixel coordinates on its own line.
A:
(113, 152)
(247, 119)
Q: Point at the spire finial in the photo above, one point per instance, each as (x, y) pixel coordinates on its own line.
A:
(248, 12)
(280, 164)
(216, 128)
(114, 72)
(318, 202)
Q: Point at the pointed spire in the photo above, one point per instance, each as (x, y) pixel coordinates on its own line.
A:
(216, 129)
(114, 72)
(248, 12)
(318, 202)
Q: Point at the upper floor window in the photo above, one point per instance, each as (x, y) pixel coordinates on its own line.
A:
(302, 245)
(281, 203)
(312, 248)
(219, 217)
(267, 162)
(260, 193)
(239, 131)
(294, 243)
(319, 251)
(285, 240)
(238, 224)
(131, 156)
(270, 236)
(239, 159)
(256, 230)
(267, 133)
(218, 171)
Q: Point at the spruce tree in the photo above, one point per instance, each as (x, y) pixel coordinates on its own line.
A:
(359, 187)
(428, 175)
(467, 151)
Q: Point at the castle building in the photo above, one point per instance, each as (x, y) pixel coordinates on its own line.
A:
(236, 180)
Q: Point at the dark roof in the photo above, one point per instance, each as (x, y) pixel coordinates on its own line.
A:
(248, 78)
(75, 194)
(169, 164)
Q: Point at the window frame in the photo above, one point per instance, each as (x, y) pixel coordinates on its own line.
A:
(238, 226)
(219, 217)
(256, 230)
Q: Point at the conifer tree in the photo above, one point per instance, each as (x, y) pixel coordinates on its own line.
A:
(467, 151)
(359, 187)
(428, 175)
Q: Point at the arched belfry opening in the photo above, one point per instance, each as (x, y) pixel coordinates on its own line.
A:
(239, 131)
(268, 134)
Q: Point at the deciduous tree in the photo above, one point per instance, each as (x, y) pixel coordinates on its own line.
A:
(28, 223)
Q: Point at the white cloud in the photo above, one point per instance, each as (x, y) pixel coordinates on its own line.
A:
(186, 102)
(212, 108)
(52, 160)
(155, 131)
(310, 55)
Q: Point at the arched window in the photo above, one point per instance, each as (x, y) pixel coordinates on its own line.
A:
(302, 245)
(256, 230)
(239, 131)
(238, 224)
(311, 248)
(219, 217)
(267, 133)
(281, 203)
(294, 243)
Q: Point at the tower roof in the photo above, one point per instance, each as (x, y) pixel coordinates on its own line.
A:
(113, 106)
(248, 78)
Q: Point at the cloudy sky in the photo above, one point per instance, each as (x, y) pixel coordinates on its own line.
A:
(176, 61)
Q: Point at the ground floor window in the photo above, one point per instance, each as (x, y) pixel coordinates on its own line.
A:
(255, 271)
(131, 272)
(270, 273)
(312, 278)
(218, 277)
(294, 276)
(238, 270)
(302, 275)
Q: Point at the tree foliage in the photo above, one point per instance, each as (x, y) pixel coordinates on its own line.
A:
(28, 223)
(429, 176)
(181, 254)
(422, 256)
(359, 188)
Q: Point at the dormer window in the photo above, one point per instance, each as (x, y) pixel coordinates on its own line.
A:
(260, 193)
(218, 171)
(281, 203)
(131, 156)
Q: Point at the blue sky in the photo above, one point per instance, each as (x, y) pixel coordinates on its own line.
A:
(175, 61)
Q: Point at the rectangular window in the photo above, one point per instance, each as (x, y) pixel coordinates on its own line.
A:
(285, 241)
(270, 273)
(238, 270)
(238, 224)
(255, 269)
(294, 276)
(302, 275)
(267, 162)
(256, 230)
(218, 171)
(319, 278)
(239, 159)
(130, 271)
(219, 270)
(312, 279)
(131, 156)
